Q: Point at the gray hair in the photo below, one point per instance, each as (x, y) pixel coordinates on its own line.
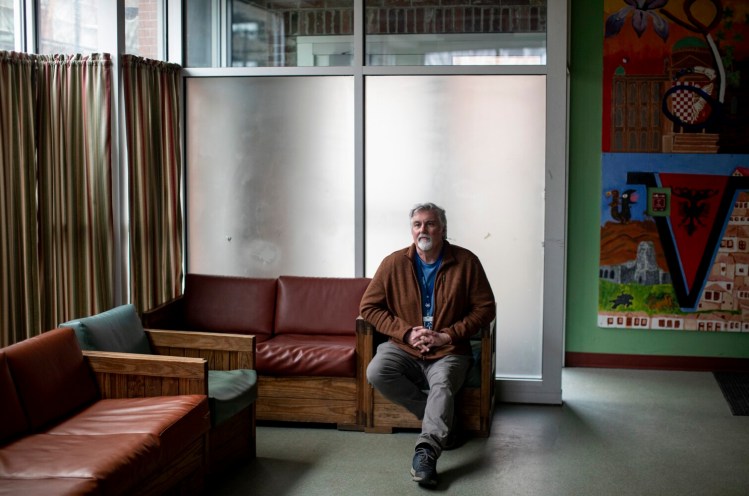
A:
(429, 207)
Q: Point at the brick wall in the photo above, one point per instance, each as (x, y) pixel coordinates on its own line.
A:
(335, 17)
(142, 28)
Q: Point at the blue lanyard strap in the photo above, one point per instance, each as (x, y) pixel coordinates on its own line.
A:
(427, 275)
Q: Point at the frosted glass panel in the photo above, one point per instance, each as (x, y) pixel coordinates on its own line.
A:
(270, 175)
(475, 146)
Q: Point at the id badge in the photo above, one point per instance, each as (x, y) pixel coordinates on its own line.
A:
(428, 321)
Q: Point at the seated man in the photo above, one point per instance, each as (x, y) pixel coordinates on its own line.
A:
(429, 298)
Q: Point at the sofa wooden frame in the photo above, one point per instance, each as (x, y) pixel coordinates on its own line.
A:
(330, 400)
(474, 405)
(180, 366)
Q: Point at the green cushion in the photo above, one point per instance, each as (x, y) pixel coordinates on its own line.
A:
(118, 329)
(80, 334)
(229, 392)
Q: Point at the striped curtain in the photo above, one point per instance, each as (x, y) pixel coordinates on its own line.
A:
(19, 269)
(152, 127)
(56, 237)
(76, 242)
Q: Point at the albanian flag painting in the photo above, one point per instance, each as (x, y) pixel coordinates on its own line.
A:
(675, 166)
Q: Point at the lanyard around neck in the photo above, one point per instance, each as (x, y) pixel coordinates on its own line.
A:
(427, 283)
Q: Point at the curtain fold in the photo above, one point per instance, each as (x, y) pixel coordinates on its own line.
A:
(19, 265)
(76, 238)
(56, 205)
(152, 94)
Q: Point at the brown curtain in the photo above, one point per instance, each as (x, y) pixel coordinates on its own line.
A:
(19, 265)
(154, 159)
(76, 228)
(56, 208)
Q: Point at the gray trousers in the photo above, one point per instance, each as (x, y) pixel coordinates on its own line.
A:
(405, 380)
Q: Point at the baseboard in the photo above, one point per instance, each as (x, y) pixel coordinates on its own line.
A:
(655, 362)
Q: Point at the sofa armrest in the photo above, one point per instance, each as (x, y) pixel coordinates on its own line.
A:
(168, 315)
(488, 364)
(365, 349)
(130, 375)
(365, 346)
(222, 351)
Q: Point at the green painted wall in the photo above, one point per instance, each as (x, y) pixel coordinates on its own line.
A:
(583, 333)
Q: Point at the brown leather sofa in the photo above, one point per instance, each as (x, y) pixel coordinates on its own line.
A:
(59, 436)
(306, 358)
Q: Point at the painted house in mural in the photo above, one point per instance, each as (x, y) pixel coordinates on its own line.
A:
(727, 286)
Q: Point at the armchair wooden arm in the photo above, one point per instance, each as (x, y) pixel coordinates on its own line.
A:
(221, 351)
(129, 375)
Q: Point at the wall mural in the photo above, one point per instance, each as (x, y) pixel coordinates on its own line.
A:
(675, 166)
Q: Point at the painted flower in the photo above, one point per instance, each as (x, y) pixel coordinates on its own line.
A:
(641, 11)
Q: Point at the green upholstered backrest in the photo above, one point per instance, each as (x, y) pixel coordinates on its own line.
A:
(118, 329)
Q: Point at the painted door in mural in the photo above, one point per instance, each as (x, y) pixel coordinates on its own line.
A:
(675, 170)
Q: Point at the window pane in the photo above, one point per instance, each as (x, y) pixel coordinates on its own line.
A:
(270, 34)
(269, 176)
(201, 38)
(494, 32)
(144, 28)
(475, 146)
(68, 27)
(7, 25)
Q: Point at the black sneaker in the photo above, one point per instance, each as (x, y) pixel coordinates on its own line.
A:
(424, 466)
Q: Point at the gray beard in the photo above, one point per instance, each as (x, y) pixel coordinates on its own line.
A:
(425, 244)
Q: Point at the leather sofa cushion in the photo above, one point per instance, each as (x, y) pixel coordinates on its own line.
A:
(13, 421)
(230, 392)
(114, 461)
(176, 421)
(51, 376)
(305, 355)
(239, 305)
(118, 329)
(318, 305)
